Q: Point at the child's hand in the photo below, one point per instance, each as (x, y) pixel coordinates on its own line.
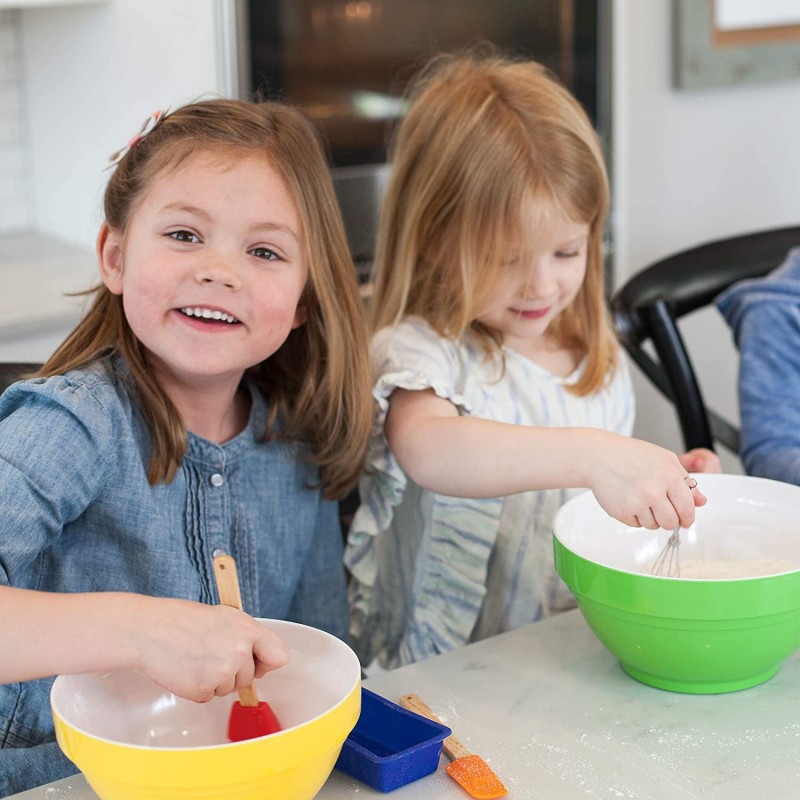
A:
(644, 485)
(701, 460)
(197, 651)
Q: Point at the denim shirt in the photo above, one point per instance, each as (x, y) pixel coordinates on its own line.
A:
(764, 316)
(77, 514)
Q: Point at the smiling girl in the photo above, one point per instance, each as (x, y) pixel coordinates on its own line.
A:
(500, 384)
(214, 397)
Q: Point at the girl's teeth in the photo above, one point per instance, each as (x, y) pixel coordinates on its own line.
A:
(207, 313)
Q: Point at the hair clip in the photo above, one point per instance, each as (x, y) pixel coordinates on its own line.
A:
(147, 127)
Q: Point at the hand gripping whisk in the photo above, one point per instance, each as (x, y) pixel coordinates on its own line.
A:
(668, 564)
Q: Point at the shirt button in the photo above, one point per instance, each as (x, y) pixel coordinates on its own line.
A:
(216, 480)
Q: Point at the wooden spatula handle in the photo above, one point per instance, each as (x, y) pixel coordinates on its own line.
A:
(248, 697)
(230, 595)
(227, 581)
(451, 746)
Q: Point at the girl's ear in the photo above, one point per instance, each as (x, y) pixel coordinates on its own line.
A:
(300, 314)
(109, 258)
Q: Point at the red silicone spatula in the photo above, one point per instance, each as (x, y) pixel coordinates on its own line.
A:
(250, 717)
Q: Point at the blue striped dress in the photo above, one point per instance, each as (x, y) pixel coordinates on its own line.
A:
(430, 573)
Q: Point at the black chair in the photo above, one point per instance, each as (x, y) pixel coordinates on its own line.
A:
(12, 371)
(647, 309)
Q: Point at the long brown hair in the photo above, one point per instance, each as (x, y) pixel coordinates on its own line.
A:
(317, 383)
(485, 139)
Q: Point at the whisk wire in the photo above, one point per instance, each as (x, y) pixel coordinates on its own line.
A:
(668, 562)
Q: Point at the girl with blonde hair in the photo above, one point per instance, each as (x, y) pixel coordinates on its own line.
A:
(500, 384)
(214, 397)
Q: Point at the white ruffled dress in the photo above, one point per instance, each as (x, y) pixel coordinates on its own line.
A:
(430, 573)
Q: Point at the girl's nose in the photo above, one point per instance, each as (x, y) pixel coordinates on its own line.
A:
(220, 273)
(539, 282)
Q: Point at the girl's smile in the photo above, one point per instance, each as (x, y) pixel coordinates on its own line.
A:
(208, 317)
(531, 313)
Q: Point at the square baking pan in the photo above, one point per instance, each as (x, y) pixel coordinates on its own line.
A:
(390, 746)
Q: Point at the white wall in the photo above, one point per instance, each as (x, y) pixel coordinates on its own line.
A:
(15, 206)
(91, 75)
(689, 167)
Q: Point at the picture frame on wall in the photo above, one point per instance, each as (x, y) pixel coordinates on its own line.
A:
(735, 42)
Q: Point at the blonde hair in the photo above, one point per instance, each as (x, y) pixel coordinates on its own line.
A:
(317, 383)
(484, 138)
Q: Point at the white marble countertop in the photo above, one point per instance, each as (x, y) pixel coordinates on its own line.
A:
(36, 274)
(554, 715)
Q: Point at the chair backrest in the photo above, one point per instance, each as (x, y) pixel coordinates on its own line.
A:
(649, 305)
(12, 371)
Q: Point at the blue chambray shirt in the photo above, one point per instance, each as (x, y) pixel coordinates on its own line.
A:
(77, 514)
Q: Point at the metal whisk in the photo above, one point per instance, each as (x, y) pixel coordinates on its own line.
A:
(668, 564)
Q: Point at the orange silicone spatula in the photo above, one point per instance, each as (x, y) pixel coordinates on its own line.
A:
(250, 717)
(470, 771)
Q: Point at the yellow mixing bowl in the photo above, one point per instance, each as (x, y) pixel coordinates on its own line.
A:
(135, 741)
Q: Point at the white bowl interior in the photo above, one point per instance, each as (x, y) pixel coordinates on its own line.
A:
(749, 525)
(126, 706)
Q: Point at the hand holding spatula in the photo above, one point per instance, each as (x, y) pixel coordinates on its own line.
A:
(467, 769)
(250, 717)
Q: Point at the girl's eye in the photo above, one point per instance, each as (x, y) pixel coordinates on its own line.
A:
(572, 249)
(184, 236)
(265, 253)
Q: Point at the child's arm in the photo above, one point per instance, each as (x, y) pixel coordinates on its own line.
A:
(191, 649)
(639, 483)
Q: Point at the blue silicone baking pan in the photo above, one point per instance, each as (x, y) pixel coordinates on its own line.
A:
(390, 746)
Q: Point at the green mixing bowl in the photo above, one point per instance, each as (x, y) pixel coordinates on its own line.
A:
(702, 635)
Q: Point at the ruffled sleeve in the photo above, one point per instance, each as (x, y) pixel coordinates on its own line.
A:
(409, 356)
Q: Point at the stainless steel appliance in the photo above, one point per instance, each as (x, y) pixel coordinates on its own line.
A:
(347, 63)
